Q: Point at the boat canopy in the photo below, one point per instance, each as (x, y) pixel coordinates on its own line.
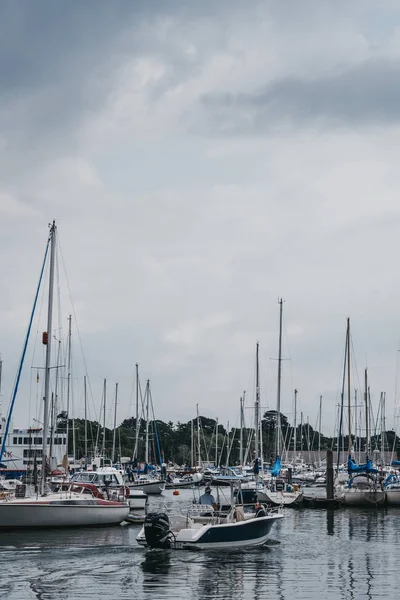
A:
(276, 469)
(365, 468)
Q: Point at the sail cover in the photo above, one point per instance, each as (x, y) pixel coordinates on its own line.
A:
(365, 468)
(276, 469)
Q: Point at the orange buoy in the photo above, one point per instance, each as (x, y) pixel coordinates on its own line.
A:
(176, 492)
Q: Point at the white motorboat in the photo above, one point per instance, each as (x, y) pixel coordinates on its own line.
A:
(280, 493)
(186, 481)
(72, 506)
(229, 531)
(149, 485)
(111, 481)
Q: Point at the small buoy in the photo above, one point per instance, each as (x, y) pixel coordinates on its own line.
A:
(176, 492)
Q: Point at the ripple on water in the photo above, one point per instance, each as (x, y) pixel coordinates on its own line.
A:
(311, 555)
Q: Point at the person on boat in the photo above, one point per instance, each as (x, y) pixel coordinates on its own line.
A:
(208, 498)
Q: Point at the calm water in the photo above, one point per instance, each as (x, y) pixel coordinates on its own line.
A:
(312, 554)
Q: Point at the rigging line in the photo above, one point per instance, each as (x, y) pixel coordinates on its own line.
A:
(16, 385)
(76, 323)
(37, 408)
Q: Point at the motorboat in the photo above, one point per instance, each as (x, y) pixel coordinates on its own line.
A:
(186, 481)
(280, 493)
(72, 505)
(111, 481)
(229, 475)
(150, 485)
(216, 530)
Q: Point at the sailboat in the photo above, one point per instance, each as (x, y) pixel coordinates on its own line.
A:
(279, 492)
(363, 487)
(74, 505)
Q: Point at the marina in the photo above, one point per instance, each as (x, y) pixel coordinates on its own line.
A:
(199, 314)
(314, 554)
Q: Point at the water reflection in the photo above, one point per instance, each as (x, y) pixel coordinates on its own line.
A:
(156, 562)
(330, 520)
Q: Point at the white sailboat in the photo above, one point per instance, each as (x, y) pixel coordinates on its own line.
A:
(278, 491)
(363, 487)
(72, 505)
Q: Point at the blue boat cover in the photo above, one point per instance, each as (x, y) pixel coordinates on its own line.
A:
(276, 469)
(365, 468)
(395, 463)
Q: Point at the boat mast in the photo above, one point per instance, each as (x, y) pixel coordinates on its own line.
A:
(115, 422)
(241, 433)
(295, 426)
(85, 397)
(192, 442)
(348, 384)
(366, 412)
(198, 436)
(68, 384)
(257, 405)
(103, 450)
(137, 425)
(216, 441)
(146, 458)
(319, 430)
(301, 434)
(278, 402)
(53, 230)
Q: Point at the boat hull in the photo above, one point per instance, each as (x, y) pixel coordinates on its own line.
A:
(393, 497)
(39, 514)
(152, 488)
(280, 498)
(364, 498)
(241, 534)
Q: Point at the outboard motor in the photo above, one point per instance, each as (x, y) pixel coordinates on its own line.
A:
(156, 530)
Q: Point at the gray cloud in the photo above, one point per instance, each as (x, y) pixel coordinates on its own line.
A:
(367, 94)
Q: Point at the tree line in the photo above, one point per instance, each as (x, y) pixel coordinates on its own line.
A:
(180, 443)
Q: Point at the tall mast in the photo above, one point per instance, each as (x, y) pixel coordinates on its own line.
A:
(257, 404)
(301, 433)
(241, 433)
(192, 442)
(53, 230)
(137, 424)
(115, 422)
(103, 451)
(68, 381)
(216, 441)
(366, 412)
(85, 396)
(319, 429)
(348, 383)
(295, 424)
(146, 458)
(198, 436)
(278, 402)
(383, 394)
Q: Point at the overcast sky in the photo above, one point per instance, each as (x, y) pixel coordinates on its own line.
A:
(203, 159)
